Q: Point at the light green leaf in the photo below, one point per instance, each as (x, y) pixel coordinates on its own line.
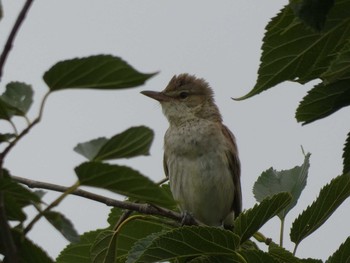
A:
(63, 225)
(312, 12)
(122, 180)
(79, 252)
(95, 72)
(342, 254)
(133, 142)
(250, 221)
(183, 242)
(330, 198)
(19, 95)
(91, 148)
(323, 100)
(292, 181)
(346, 155)
(292, 51)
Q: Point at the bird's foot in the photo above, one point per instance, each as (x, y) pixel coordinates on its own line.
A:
(188, 219)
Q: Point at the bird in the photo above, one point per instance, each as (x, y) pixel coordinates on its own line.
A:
(201, 157)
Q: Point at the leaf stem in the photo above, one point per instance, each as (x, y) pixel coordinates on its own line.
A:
(55, 203)
(14, 127)
(13, 33)
(295, 249)
(281, 232)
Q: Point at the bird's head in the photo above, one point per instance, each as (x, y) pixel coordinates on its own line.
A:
(186, 98)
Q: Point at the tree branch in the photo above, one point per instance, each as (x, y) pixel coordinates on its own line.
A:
(141, 208)
(14, 31)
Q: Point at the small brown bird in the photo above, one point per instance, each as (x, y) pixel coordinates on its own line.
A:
(200, 153)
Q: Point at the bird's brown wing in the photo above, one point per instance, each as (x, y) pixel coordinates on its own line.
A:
(235, 167)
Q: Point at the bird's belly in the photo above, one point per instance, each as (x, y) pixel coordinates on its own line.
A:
(203, 186)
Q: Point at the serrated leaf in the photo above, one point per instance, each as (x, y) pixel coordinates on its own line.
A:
(122, 180)
(312, 12)
(187, 241)
(282, 254)
(292, 51)
(250, 221)
(292, 181)
(257, 256)
(79, 252)
(330, 198)
(94, 72)
(63, 225)
(19, 95)
(342, 254)
(6, 110)
(133, 142)
(346, 155)
(217, 259)
(16, 197)
(323, 100)
(104, 247)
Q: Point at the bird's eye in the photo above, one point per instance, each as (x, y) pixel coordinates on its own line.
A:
(183, 95)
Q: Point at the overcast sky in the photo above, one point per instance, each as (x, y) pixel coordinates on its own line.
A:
(216, 40)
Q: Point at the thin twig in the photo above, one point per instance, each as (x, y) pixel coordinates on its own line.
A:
(14, 31)
(141, 208)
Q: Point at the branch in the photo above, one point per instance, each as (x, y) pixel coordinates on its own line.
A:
(14, 31)
(141, 208)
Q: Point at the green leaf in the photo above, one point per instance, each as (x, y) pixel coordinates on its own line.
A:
(257, 256)
(292, 181)
(63, 225)
(122, 180)
(133, 142)
(330, 198)
(19, 95)
(250, 221)
(16, 197)
(340, 67)
(6, 110)
(183, 242)
(95, 72)
(5, 137)
(312, 12)
(282, 254)
(294, 52)
(346, 155)
(105, 247)
(323, 100)
(342, 254)
(216, 259)
(79, 252)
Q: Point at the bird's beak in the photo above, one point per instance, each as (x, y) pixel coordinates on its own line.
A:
(159, 96)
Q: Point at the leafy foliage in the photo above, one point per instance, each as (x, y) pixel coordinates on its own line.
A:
(95, 72)
(133, 142)
(346, 155)
(342, 254)
(292, 181)
(331, 196)
(122, 180)
(247, 223)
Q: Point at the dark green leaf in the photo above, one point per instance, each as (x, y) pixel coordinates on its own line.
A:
(122, 180)
(91, 148)
(250, 221)
(105, 247)
(79, 252)
(292, 181)
(114, 216)
(292, 51)
(346, 156)
(323, 100)
(312, 12)
(257, 256)
(95, 72)
(342, 254)
(216, 259)
(5, 137)
(331, 197)
(63, 225)
(340, 67)
(187, 241)
(6, 110)
(133, 142)
(19, 95)
(282, 254)
(16, 197)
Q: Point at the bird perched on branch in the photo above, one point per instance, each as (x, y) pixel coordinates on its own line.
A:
(200, 152)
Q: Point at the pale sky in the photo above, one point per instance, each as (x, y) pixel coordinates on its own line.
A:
(216, 40)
